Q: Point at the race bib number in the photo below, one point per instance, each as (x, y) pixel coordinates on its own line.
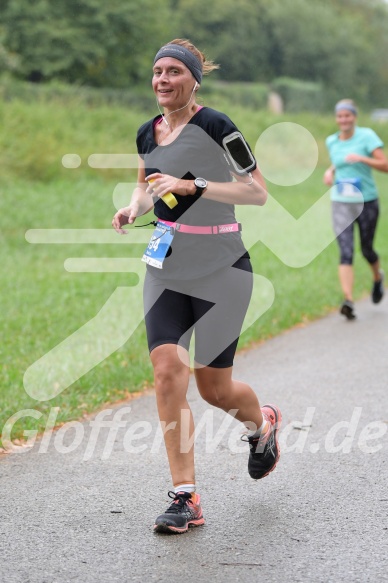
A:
(349, 187)
(158, 246)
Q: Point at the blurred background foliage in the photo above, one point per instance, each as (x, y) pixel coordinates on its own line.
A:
(312, 52)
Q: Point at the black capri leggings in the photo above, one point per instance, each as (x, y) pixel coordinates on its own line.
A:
(213, 306)
(343, 213)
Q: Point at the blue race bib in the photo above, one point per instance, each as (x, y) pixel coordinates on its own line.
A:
(349, 187)
(158, 246)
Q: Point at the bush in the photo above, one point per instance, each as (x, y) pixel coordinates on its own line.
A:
(300, 95)
(139, 96)
(251, 95)
(218, 93)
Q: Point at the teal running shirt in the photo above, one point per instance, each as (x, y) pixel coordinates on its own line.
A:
(353, 182)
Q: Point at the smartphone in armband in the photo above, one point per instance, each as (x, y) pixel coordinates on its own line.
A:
(238, 153)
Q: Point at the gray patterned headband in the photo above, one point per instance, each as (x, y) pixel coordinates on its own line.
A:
(348, 106)
(185, 56)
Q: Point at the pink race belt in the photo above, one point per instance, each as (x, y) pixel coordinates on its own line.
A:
(199, 230)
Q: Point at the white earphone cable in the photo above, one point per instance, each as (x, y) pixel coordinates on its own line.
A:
(164, 117)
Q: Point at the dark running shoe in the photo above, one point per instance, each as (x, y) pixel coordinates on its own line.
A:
(184, 511)
(265, 450)
(347, 310)
(378, 289)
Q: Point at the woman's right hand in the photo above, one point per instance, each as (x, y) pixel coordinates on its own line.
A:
(125, 216)
(328, 177)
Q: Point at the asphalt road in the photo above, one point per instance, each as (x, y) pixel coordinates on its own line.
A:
(79, 506)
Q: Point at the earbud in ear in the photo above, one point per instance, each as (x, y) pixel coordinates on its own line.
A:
(195, 86)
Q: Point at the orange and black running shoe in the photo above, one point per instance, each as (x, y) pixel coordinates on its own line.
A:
(184, 512)
(264, 449)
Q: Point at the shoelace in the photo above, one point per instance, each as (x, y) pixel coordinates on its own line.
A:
(179, 500)
(257, 444)
(248, 438)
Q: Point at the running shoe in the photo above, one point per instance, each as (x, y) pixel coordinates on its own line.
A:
(347, 310)
(264, 449)
(184, 512)
(378, 289)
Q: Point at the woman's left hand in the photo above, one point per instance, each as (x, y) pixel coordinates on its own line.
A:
(354, 158)
(164, 183)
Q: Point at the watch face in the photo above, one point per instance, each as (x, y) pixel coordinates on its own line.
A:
(200, 182)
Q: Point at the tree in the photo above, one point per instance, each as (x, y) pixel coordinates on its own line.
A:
(91, 41)
(233, 33)
(343, 44)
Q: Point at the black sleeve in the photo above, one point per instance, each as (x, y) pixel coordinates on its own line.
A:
(219, 126)
(144, 142)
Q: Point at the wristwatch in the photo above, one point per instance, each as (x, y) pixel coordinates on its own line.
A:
(201, 185)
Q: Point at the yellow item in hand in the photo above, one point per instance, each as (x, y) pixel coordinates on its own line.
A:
(168, 198)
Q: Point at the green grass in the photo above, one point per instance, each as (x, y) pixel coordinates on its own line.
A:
(42, 303)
